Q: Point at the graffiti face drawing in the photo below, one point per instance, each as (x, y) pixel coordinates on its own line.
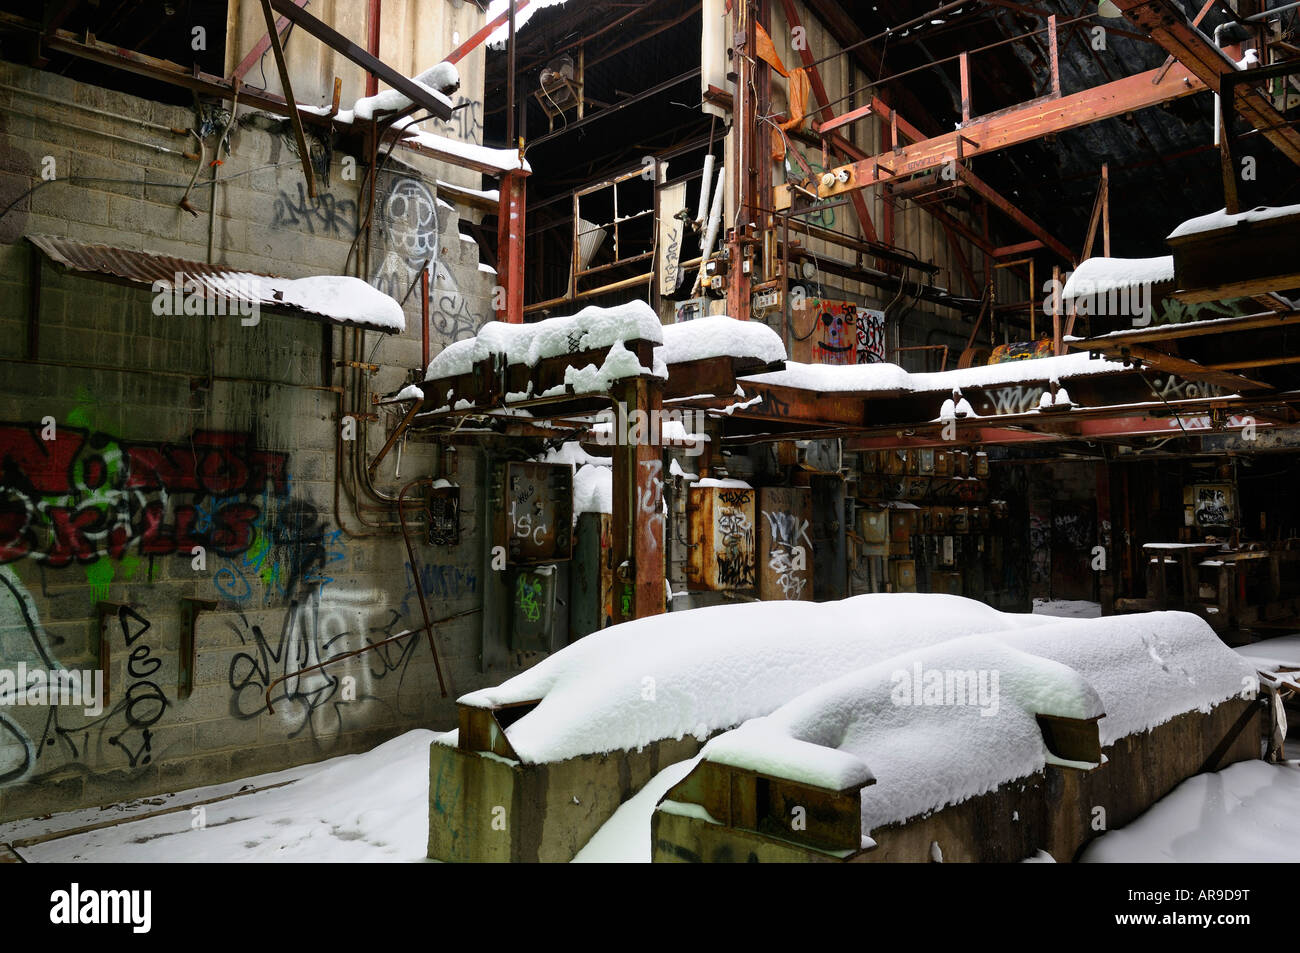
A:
(837, 329)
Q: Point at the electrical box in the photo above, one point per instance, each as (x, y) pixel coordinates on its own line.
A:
(720, 525)
(442, 514)
(534, 518)
(902, 574)
(785, 550)
(532, 604)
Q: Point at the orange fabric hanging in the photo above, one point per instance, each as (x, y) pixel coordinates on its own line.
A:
(766, 50)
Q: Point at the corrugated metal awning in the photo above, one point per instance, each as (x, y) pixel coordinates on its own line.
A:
(143, 269)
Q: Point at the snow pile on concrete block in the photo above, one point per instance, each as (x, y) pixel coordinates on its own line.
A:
(1100, 275)
(841, 378)
(1221, 219)
(702, 670)
(720, 336)
(1147, 668)
(593, 490)
(590, 329)
(953, 720)
(934, 726)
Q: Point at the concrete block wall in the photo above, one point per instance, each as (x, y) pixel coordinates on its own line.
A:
(170, 432)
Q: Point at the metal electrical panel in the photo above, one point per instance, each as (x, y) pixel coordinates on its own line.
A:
(785, 548)
(535, 520)
(442, 513)
(532, 606)
(720, 525)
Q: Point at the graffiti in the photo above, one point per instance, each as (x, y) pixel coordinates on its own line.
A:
(316, 628)
(527, 594)
(323, 215)
(468, 119)
(408, 231)
(650, 497)
(444, 582)
(451, 316)
(790, 546)
(1021, 351)
(1175, 388)
(836, 333)
(871, 336)
(734, 540)
(126, 727)
(81, 496)
(1040, 551)
(1015, 400)
(292, 550)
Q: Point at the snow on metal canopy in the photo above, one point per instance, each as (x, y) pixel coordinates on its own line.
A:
(338, 299)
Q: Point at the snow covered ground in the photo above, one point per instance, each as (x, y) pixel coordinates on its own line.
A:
(1244, 813)
(332, 812)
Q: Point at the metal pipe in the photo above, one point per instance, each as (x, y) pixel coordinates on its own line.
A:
(419, 589)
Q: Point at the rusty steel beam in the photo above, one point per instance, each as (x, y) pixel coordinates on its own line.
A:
(638, 521)
(437, 106)
(510, 246)
(261, 46)
(982, 188)
(823, 99)
(1015, 126)
(1169, 27)
(304, 154)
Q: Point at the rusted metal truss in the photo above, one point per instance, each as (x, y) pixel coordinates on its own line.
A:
(1010, 127)
(1169, 27)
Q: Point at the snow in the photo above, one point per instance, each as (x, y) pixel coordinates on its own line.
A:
(1221, 219)
(503, 160)
(340, 298)
(497, 40)
(891, 377)
(625, 837)
(492, 195)
(927, 748)
(1282, 651)
(1244, 813)
(571, 452)
(726, 483)
(702, 670)
(591, 328)
(353, 809)
(719, 336)
(435, 80)
(593, 490)
(1100, 275)
(409, 392)
(924, 752)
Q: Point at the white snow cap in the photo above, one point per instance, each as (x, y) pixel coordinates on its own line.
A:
(891, 377)
(341, 298)
(927, 750)
(1221, 219)
(1099, 275)
(718, 336)
(701, 670)
(590, 329)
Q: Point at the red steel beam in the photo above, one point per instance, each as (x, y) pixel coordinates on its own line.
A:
(1012, 127)
(510, 247)
(261, 46)
(469, 45)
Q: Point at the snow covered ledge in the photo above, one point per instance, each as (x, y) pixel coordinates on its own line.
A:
(890, 764)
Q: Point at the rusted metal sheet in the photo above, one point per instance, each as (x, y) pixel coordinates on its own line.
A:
(141, 269)
(720, 526)
(510, 242)
(535, 521)
(638, 505)
(785, 549)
